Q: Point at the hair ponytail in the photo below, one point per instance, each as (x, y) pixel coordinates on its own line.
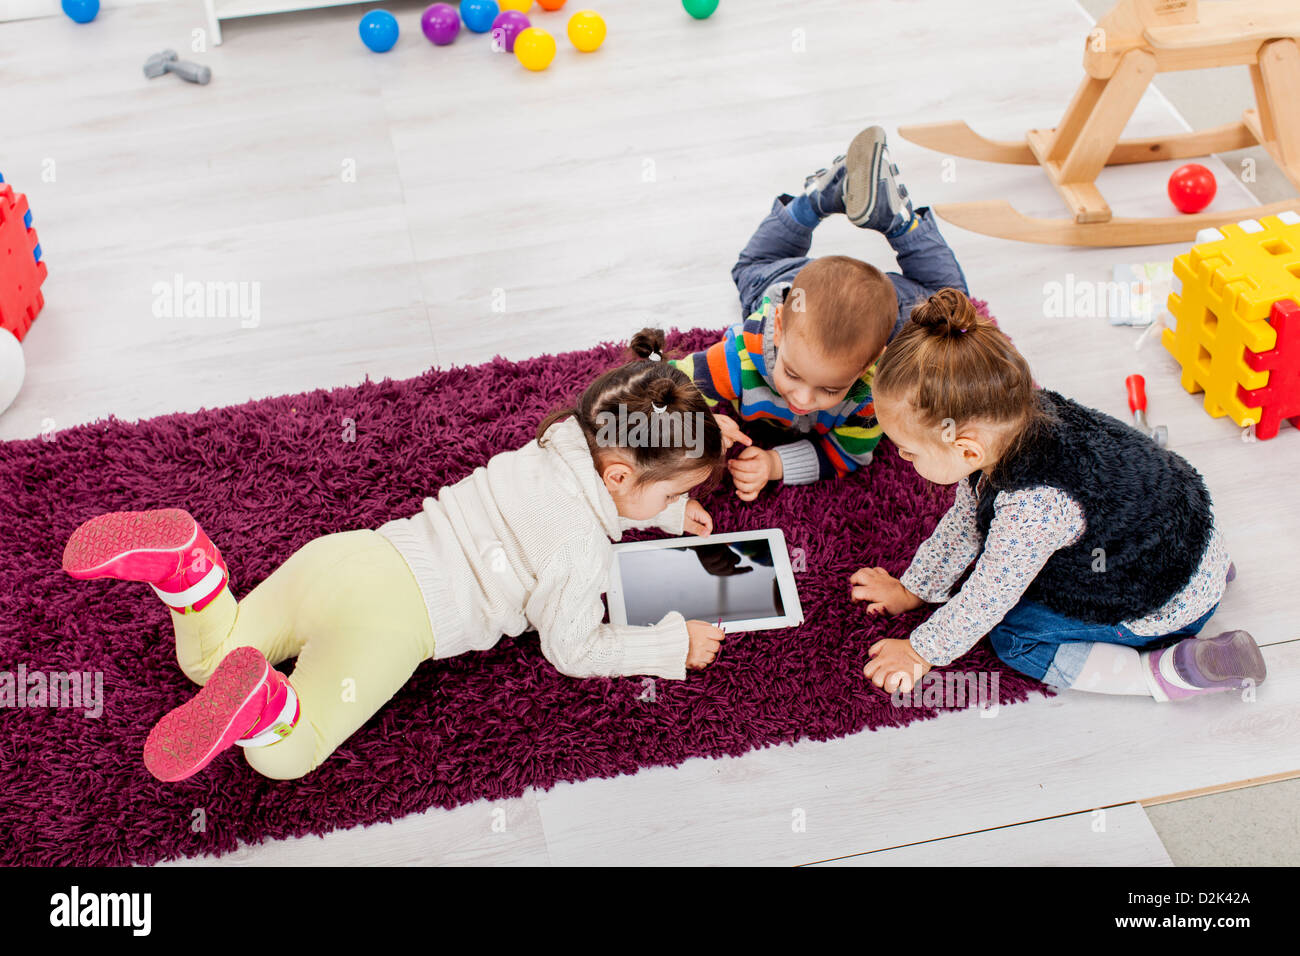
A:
(648, 344)
(688, 439)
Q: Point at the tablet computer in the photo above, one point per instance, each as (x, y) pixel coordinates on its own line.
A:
(743, 577)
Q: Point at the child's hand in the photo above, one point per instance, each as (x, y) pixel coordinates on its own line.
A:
(894, 665)
(752, 469)
(706, 641)
(731, 433)
(884, 591)
(698, 521)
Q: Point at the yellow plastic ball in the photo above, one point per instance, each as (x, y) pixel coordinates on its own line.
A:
(535, 48)
(586, 30)
(523, 6)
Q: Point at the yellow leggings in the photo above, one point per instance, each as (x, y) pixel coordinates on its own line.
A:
(349, 608)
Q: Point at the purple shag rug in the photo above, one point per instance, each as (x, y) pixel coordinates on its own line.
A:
(265, 477)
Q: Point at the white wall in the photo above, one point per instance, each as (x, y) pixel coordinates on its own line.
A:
(30, 9)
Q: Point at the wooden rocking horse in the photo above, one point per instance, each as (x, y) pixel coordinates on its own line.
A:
(1133, 42)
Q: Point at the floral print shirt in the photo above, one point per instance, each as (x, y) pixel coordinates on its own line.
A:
(1028, 526)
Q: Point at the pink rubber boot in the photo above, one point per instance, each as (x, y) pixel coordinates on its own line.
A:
(247, 702)
(165, 548)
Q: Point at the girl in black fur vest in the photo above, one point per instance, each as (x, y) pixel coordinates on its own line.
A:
(1088, 555)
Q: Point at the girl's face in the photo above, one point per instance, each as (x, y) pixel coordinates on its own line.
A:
(943, 454)
(646, 500)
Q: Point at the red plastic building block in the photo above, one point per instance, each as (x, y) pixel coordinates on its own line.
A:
(20, 274)
(1280, 397)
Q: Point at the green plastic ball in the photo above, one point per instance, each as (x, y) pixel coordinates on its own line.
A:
(700, 9)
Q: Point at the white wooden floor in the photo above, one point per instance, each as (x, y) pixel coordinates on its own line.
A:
(607, 192)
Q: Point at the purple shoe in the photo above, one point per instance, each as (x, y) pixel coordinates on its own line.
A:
(1207, 664)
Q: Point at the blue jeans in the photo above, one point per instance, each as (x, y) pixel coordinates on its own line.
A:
(779, 249)
(1052, 647)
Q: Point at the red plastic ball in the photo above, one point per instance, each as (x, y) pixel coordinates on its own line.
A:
(1192, 187)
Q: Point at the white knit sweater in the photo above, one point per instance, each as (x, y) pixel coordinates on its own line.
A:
(524, 542)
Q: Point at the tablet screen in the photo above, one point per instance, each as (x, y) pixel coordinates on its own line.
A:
(734, 581)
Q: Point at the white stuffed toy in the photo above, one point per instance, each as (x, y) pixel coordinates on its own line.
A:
(11, 368)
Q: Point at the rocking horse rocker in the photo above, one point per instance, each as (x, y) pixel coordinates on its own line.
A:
(1134, 41)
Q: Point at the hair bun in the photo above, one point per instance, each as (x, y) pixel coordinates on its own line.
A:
(662, 392)
(947, 313)
(648, 344)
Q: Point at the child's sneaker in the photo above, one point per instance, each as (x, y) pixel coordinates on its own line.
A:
(873, 196)
(825, 188)
(246, 702)
(1204, 665)
(165, 548)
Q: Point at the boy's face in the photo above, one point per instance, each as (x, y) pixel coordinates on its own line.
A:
(808, 378)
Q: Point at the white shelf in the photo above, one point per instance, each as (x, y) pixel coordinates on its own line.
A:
(218, 10)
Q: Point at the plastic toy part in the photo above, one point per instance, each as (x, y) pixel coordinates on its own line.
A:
(81, 11)
(1280, 398)
(378, 30)
(21, 268)
(1137, 404)
(586, 30)
(1234, 333)
(479, 14)
(535, 48)
(440, 24)
(700, 9)
(506, 28)
(1191, 188)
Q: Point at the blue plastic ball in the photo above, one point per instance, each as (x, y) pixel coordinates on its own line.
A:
(83, 11)
(479, 14)
(379, 30)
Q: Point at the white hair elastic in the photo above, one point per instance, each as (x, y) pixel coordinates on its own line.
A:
(659, 409)
(654, 356)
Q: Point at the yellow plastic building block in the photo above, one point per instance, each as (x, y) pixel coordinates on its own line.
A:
(1224, 289)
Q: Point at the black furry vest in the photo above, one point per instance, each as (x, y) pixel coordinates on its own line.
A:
(1147, 511)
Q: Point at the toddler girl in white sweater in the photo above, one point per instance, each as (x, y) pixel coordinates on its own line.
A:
(521, 543)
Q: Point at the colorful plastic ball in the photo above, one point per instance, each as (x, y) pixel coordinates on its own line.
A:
(1192, 187)
(519, 6)
(83, 11)
(700, 9)
(440, 23)
(506, 27)
(535, 48)
(479, 14)
(551, 5)
(586, 30)
(379, 30)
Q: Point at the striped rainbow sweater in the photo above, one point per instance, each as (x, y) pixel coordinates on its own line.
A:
(736, 370)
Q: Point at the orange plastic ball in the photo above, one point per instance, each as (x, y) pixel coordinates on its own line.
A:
(550, 4)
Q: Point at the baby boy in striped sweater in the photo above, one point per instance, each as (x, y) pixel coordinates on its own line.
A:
(797, 370)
